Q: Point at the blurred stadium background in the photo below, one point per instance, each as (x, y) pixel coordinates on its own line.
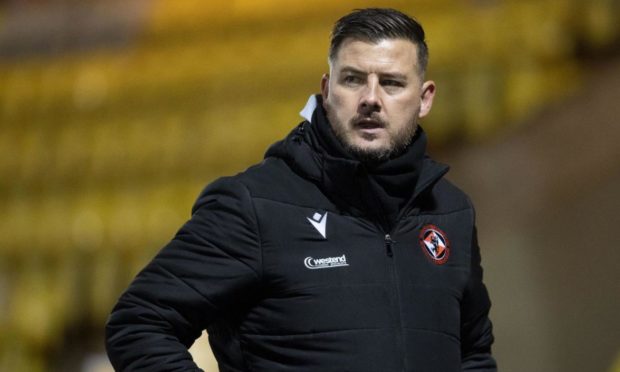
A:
(114, 115)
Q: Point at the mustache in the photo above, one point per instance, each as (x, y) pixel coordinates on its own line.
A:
(366, 120)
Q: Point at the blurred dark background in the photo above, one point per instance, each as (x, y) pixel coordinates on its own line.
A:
(115, 114)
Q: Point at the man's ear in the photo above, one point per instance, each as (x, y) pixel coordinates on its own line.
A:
(428, 94)
(325, 86)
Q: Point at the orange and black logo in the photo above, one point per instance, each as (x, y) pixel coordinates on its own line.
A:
(435, 244)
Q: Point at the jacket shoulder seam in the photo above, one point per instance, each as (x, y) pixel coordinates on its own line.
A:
(284, 202)
(445, 213)
(258, 229)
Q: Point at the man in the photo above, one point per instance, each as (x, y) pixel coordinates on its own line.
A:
(344, 250)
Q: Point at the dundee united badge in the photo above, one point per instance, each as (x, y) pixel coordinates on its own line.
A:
(434, 244)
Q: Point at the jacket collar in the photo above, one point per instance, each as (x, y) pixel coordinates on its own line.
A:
(312, 150)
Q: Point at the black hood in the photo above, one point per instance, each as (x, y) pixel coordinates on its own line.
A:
(382, 189)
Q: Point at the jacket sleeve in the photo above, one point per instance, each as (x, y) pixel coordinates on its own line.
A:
(212, 265)
(476, 328)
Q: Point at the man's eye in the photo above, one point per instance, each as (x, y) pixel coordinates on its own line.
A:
(351, 79)
(392, 83)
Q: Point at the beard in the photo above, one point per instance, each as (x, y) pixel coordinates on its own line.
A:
(398, 140)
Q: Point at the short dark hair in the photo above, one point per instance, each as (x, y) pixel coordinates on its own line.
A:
(376, 24)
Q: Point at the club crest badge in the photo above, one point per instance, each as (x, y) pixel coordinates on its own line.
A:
(434, 243)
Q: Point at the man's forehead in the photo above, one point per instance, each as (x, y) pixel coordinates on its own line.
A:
(394, 54)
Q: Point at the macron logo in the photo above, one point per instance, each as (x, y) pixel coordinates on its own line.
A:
(319, 222)
(325, 263)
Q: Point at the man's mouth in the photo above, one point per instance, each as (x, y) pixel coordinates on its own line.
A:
(369, 125)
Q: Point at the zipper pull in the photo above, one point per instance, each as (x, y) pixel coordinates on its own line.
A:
(388, 245)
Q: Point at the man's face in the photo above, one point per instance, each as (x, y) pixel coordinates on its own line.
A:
(374, 96)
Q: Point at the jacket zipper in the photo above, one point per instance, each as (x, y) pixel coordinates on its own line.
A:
(389, 247)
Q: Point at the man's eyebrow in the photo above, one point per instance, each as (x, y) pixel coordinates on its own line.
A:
(352, 70)
(389, 75)
(394, 75)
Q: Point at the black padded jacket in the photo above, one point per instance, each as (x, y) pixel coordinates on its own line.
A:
(289, 269)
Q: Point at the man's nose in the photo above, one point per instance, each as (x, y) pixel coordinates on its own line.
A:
(369, 101)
